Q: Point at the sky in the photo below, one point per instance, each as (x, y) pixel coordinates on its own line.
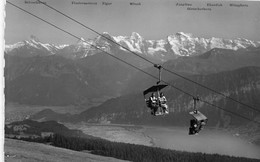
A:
(152, 19)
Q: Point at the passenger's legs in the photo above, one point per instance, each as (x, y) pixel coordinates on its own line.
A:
(165, 108)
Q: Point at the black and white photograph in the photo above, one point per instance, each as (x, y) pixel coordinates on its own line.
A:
(131, 80)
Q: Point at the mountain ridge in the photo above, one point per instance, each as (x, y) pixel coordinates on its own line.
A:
(174, 45)
(242, 84)
(57, 80)
(213, 61)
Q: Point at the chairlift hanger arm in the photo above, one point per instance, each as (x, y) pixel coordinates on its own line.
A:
(158, 67)
(195, 99)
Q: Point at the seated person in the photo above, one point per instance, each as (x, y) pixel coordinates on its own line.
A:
(194, 127)
(152, 100)
(202, 123)
(163, 104)
(152, 103)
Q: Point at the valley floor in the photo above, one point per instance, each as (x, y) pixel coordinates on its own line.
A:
(208, 141)
(176, 138)
(21, 151)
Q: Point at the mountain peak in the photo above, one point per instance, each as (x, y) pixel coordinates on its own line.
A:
(104, 40)
(136, 36)
(181, 36)
(184, 34)
(106, 34)
(82, 39)
(34, 38)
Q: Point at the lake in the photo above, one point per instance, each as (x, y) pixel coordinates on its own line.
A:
(176, 138)
(208, 141)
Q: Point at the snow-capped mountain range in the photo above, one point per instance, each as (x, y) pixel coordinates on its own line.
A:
(179, 44)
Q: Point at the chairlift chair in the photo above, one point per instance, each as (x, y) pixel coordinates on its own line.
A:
(198, 120)
(156, 109)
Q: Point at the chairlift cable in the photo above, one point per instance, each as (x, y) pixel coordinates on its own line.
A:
(73, 19)
(172, 72)
(127, 62)
(190, 80)
(212, 104)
